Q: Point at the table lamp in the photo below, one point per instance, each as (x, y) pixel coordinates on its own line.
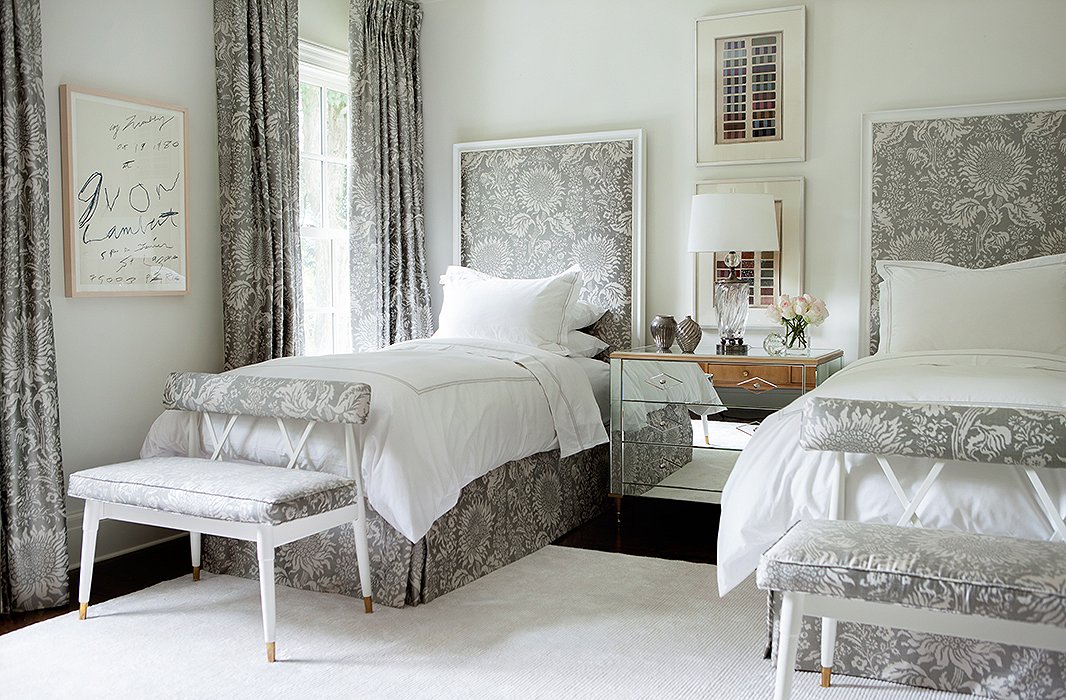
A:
(732, 222)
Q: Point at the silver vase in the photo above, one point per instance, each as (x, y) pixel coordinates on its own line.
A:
(663, 332)
(689, 335)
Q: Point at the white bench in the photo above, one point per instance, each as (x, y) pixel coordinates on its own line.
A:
(269, 505)
(1023, 439)
(996, 589)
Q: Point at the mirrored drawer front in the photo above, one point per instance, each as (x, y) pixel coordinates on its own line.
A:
(674, 424)
(648, 467)
(666, 382)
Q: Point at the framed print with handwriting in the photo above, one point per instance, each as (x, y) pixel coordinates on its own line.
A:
(125, 196)
(750, 69)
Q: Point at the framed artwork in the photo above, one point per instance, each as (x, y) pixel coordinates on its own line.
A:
(531, 207)
(125, 196)
(771, 273)
(750, 85)
(972, 185)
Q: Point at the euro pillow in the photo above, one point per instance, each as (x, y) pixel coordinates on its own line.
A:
(933, 306)
(523, 311)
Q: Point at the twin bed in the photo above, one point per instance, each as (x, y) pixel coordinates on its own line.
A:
(965, 306)
(487, 441)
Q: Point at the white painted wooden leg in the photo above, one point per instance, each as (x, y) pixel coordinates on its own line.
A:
(90, 524)
(265, 546)
(194, 546)
(791, 621)
(706, 430)
(829, 642)
(362, 554)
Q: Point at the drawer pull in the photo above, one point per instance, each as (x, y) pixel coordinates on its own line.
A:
(746, 373)
(757, 385)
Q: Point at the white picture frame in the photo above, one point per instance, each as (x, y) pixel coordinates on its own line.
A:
(125, 166)
(790, 22)
(790, 192)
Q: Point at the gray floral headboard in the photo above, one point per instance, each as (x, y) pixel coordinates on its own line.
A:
(975, 186)
(533, 207)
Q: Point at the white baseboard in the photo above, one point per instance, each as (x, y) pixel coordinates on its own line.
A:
(114, 538)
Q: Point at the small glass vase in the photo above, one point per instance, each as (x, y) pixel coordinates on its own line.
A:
(797, 341)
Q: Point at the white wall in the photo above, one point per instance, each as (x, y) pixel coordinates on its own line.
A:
(510, 68)
(115, 353)
(325, 22)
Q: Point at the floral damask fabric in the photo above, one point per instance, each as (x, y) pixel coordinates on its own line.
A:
(257, 81)
(234, 491)
(960, 572)
(534, 211)
(971, 191)
(304, 399)
(510, 512)
(33, 532)
(986, 434)
(389, 285)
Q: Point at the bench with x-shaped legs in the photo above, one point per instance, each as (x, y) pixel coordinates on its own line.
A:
(204, 493)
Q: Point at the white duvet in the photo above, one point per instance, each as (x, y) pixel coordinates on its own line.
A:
(442, 413)
(776, 483)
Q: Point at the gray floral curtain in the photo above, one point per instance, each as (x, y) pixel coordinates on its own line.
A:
(389, 285)
(33, 530)
(257, 80)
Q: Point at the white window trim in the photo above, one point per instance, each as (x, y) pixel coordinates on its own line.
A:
(328, 68)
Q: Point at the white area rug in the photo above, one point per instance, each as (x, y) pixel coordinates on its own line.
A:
(561, 623)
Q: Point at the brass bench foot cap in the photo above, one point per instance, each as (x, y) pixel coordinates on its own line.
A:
(368, 604)
(196, 573)
(83, 611)
(826, 673)
(270, 652)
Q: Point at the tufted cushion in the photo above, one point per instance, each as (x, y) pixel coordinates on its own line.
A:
(247, 493)
(999, 577)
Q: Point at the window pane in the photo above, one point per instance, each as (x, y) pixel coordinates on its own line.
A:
(336, 196)
(310, 118)
(310, 192)
(336, 124)
(318, 333)
(342, 324)
(317, 260)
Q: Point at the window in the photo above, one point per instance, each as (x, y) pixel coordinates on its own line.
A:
(324, 200)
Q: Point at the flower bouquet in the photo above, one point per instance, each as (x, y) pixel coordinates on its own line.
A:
(795, 314)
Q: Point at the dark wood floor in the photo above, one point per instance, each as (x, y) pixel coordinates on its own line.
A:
(648, 527)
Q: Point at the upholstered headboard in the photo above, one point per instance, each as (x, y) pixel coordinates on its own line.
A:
(533, 207)
(974, 186)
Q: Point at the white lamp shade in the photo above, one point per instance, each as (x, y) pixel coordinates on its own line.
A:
(732, 221)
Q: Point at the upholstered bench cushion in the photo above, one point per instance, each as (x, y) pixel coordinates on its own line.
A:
(247, 493)
(997, 577)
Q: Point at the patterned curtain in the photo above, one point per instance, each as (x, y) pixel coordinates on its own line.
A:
(257, 80)
(33, 529)
(390, 288)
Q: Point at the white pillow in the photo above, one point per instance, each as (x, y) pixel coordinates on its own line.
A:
(583, 315)
(524, 311)
(580, 315)
(584, 345)
(933, 306)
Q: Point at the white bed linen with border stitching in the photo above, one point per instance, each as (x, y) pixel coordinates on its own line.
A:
(776, 483)
(443, 413)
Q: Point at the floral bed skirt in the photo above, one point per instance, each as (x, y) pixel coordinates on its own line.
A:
(510, 512)
(936, 661)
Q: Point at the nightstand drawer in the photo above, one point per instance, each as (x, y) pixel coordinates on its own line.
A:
(760, 377)
(665, 382)
(666, 424)
(673, 472)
